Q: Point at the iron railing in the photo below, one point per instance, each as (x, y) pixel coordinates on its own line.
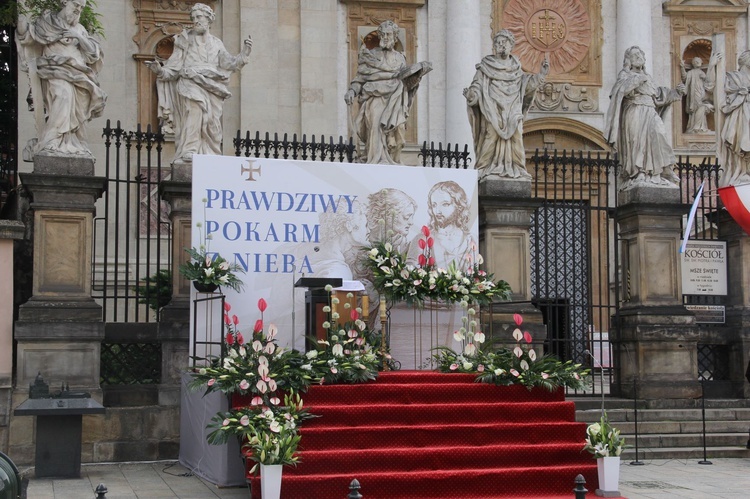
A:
(132, 233)
(323, 149)
(8, 114)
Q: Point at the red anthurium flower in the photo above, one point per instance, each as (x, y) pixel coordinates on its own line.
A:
(422, 244)
(354, 315)
(226, 319)
(527, 336)
(240, 339)
(258, 326)
(235, 320)
(430, 242)
(518, 319)
(422, 260)
(227, 306)
(262, 305)
(431, 261)
(426, 231)
(230, 339)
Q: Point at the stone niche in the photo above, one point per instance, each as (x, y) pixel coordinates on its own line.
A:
(364, 17)
(158, 21)
(692, 26)
(568, 34)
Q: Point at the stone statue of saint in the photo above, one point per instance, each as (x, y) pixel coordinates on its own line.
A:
(194, 85)
(385, 87)
(734, 146)
(698, 85)
(498, 99)
(63, 61)
(634, 127)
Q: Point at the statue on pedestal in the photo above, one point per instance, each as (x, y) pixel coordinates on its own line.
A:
(193, 85)
(385, 87)
(634, 125)
(63, 62)
(698, 86)
(498, 99)
(734, 144)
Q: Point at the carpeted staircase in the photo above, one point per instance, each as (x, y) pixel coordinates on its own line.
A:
(421, 434)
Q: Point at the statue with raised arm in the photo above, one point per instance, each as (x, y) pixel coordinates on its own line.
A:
(634, 127)
(698, 87)
(498, 99)
(63, 61)
(193, 85)
(385, 87)
(734, 146)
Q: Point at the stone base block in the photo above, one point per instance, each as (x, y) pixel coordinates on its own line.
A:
(50, 310)
(505, 188)
(648, 194)
(182, 171)
(64, 165)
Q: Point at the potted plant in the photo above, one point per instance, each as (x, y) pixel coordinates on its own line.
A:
(209, 270)
(606, 445)
(155, 290)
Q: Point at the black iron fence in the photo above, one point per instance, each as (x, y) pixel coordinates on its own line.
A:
(8, 114)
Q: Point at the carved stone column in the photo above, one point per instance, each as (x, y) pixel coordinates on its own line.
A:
(657, 351)
(634, 28)
(174, 327)
(505, 211)
(463, 49)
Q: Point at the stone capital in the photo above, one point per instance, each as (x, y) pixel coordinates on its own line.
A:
(63, 192)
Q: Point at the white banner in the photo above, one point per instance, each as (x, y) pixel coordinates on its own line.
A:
(283, 219)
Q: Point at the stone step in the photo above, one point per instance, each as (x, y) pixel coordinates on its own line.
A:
(688, 440)
(625, 415)
(682, 427)
(645, 454)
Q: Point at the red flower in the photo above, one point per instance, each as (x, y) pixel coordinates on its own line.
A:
(226, 319)
(227, 306)
(430, 242)
(518, 319)
(431, 261)
(230, 339)
(235, 320)
(262, 305)
(258, 326)
(422, 244)
(354, 315)
(422, 260)
(240, 339)
(426, 231)
(527, 336)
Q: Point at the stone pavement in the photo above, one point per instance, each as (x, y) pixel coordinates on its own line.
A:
(662, 479)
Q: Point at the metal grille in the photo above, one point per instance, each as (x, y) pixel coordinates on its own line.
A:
(321, 150)
(8, 113)
(574, 257)
(130, 363)
(713, 362)
(132, 232)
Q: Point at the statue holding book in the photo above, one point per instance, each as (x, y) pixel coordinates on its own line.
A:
(385, 86)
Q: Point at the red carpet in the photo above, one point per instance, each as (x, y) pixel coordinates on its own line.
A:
(425, 435)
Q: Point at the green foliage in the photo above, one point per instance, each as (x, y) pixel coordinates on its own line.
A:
(207, 269)
(34, 8)
(347, 354)
(156, 290)
(603, 440)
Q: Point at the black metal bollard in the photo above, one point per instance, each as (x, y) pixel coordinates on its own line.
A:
(580, 490)
(354, 488)
(101, 491)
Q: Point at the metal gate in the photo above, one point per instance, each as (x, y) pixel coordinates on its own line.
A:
(574, 261)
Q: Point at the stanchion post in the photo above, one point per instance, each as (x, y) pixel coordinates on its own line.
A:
(354, 490)
(580, 489)
(383, 326)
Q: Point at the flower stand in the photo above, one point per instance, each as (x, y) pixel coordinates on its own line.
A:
(609, 476)
(270, 481)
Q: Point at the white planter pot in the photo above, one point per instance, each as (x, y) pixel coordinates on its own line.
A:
(270, 481)
(609, 476)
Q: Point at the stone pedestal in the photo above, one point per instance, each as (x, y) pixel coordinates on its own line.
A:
(738, 306)
(174, 325)
(657, 347)
(505, 210)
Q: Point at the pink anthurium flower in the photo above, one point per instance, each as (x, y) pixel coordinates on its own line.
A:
(269, 348)
(227, 306)
(527, 336)
(517, 334)
(532, 354)
(515, 373)
(263, 370)
(240, 338)
(422, 244)
(422, 260)
(272, 384)
(275, 401)
(431, 261)
(518, 319)
(334, 370)
(244, 384)
(518, 352)
(235, 320)
(272, 330)
(261, 386)
(211, 382)
(545, 375)
(257, 346)
(426, 231)
(256, 401)
(225, 422)
(230, 339)
(453, 367)
(262, 305)
(227, 321)
(245, 420)
(258, 326)
(430, 242)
